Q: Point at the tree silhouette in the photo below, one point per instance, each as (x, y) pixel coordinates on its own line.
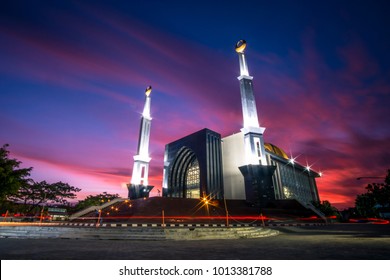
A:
(12, 178)
(376, 197)
(92, 200)
(41, 193)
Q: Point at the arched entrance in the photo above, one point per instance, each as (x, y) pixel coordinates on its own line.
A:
(184, 175)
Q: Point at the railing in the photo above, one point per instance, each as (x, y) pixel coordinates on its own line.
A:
(310, 206)
(95, 208)
(318, 212)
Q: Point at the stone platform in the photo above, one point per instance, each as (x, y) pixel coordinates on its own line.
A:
(157, 210)
(134, 233)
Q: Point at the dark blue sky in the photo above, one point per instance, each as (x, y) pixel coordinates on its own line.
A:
(73, 74)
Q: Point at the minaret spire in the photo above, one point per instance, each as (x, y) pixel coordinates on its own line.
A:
(254, 143)
(139, 179)
(256, 172)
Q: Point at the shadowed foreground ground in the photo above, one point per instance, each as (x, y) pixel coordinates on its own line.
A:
(337, 241)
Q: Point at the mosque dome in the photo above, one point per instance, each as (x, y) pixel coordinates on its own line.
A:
(275, 150)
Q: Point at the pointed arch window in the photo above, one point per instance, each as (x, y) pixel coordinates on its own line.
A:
(193, 180)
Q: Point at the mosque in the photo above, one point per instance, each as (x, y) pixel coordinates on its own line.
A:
(240, 166)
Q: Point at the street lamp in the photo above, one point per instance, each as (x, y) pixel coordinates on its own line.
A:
(99, 218)
(43, 207)
(370, 177)
(206, 202)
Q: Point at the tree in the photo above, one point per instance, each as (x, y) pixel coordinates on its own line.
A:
(92, 200)
(365, 205)
(12, 178)
(326, 207)
(376, 197)
(34, 194)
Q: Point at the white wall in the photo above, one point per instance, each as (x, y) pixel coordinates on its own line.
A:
(233, 156)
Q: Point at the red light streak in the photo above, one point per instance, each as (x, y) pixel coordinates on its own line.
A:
(258, 218)
(370, 221)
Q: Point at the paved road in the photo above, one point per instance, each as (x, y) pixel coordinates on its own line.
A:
(338, 241)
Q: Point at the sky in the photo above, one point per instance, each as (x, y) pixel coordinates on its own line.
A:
(73, 76)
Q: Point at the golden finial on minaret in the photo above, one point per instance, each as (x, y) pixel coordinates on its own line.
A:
(148, 90)
(240, 46)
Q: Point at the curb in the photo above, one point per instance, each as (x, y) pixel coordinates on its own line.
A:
(105, 225)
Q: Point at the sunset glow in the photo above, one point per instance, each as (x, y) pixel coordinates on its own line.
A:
(73, 78)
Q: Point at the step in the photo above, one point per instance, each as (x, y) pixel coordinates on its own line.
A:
(131, 233)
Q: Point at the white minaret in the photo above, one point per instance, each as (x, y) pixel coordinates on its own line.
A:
(142, 159)
(253, 133)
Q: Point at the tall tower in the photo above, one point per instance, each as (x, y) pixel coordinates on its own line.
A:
(257, 174)
(139, 180)
(253, 133)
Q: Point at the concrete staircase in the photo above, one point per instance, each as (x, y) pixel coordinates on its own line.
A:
(155, 233)
(219, 233)
(82, 233)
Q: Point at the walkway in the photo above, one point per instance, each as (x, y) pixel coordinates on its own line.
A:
(338, 241)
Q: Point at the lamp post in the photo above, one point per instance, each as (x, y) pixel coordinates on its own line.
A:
(99, 218)
(227, 213)
(41, 216)
(43, 207)
(163, 218)
(370, 177)
(5, 216)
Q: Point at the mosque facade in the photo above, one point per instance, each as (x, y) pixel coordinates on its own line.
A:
(240, 166)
